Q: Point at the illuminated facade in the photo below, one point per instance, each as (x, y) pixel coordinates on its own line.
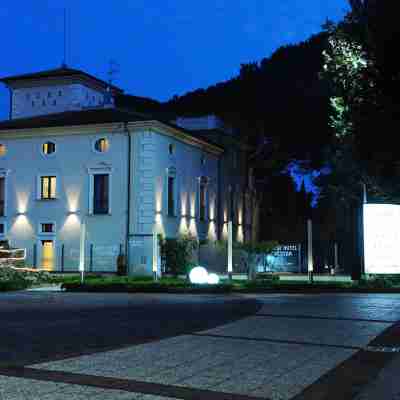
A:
(120, 172)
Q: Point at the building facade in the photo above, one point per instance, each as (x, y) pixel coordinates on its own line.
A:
(121, 173)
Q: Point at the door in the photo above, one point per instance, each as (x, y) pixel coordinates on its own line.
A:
(47, 261)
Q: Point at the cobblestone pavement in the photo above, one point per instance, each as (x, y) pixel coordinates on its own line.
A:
(291, 344)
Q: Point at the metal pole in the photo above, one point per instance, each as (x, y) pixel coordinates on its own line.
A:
(155, 254)
(336, 256)
(62, 257)
(299, 256)
(230, 252)
(310, 262)
(82, 252)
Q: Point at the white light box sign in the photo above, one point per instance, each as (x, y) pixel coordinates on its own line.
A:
(382, 238)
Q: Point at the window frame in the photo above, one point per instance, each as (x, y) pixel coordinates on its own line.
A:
(105, 137)
(2, 156)
(203, 181)
(4, 175)
(4, 233)
(42, 233)
(171, 173)
(99, 171)
(46, 155)
(39, 187)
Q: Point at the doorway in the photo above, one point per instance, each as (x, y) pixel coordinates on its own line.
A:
(47, 261)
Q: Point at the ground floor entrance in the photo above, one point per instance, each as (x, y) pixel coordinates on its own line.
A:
(47, 255)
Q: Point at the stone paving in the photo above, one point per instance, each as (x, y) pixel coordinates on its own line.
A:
(275, 354)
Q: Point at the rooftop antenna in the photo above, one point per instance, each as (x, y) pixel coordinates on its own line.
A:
(64, 63)
(113, 69)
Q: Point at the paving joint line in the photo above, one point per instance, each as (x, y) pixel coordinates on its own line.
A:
(281, 341)
(325, 318)
(128, 385)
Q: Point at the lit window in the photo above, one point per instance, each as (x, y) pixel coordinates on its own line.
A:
(102, 145)
(2, 196)
(48, 148)
(101, 201)
(47, 227)
(48, 187)
(3, 149)
(171, 196)
(171, 149)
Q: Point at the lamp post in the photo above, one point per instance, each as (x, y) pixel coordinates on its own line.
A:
(310, 262)
(82, 251)
(230, 253)
(155, 254)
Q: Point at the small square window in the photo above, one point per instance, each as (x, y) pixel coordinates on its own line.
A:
(47, 227)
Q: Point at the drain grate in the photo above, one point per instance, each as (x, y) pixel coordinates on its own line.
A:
(382, 349)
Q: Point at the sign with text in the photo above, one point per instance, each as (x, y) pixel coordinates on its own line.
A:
(285, 258)
(381, 238)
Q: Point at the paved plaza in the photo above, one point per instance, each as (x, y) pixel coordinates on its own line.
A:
(288, 346)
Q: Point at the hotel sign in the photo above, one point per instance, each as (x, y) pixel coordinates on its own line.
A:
(381, 238)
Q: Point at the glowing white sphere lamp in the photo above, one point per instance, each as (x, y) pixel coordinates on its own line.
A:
(213, 279)
(198, 275)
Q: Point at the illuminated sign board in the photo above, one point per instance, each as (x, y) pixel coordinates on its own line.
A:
(381, 238)
(284, 258)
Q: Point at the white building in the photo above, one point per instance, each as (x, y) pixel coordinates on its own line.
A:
(68, 156)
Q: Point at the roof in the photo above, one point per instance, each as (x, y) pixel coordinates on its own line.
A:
(73, 118)
(61, 72)
(88, 117)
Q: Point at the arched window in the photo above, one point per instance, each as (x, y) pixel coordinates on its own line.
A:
(102, 145)
(48, 148)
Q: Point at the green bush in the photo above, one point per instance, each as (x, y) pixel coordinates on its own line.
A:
(375, 283)
(17, 278)
(177, 253)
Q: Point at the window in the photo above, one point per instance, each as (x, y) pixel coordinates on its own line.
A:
(43, 102)
(49, 95)
(54, 102)
(2, 196)
(33, 103)
(101, 145)
(202, 201)
(48, 148)
(171, 149)
(203, 160)
(48, 187)
(171, 196)
(2, 229)
(47, 227)
(101, 193)
(60, 93)
(3, 150)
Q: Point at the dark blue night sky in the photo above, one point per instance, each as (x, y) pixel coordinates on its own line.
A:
(163, 47)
